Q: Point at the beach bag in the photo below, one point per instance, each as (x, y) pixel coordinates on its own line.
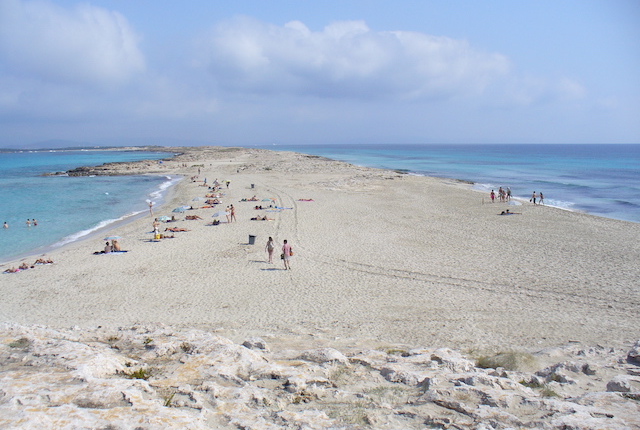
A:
(281, 256)
(291, 252)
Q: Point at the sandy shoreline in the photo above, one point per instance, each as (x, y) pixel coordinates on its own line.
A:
(381, 257)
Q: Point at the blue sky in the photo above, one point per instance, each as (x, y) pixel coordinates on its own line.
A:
(246, 72)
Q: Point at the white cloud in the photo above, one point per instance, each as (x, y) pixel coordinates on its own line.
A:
(85, 44)
(346, 59)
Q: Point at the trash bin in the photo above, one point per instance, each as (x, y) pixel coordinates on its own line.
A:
(253, 185)
(252, 240)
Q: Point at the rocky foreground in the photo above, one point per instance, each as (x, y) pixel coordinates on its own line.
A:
(160, 378)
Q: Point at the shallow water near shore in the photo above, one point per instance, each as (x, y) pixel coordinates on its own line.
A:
(68, 208)
(597, 179)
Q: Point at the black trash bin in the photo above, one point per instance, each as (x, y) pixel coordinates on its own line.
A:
(252, 240)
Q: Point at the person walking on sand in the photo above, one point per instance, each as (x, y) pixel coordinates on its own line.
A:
(286, 255)
(533, 198)
(493, 196)
(270, 247)
(541, 200)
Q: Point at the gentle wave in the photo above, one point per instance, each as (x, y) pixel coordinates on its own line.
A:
(157, 195)
(101, 225)
(560, 204)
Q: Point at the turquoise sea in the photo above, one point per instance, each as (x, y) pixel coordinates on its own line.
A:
(68, 208)
(598, 179)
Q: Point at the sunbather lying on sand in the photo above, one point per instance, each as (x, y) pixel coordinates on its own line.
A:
(261, 218)
(174, 229)
(193, 217)
(43, 261)
(507, 212)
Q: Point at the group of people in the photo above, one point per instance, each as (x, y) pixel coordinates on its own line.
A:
(503, 195)
(30, 222)
(231, 210)
(537, 199)
(216, 184)
(285, 256)
(114, 246)
(25, 266)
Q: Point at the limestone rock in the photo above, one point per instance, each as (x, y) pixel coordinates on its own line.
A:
(256, 343)
(620, 384)
(161, 378)
(325, 355)
(634, 354)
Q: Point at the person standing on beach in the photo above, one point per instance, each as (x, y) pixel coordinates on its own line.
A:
(233, 213)
(286, 255)
(508, 194)
(156, 229)
(533, 198)
(541, 201)
(270, 247)
(493, 196)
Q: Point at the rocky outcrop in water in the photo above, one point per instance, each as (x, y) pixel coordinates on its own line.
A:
(161, 378)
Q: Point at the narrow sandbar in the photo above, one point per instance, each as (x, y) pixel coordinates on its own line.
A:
(380, 257)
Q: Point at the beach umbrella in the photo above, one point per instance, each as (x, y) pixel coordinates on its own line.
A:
(112, 238)
(181, 208)
(164, 218)
(220, 214)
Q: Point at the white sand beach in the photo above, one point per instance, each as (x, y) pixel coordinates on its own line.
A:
(410, 304)
(380, 257)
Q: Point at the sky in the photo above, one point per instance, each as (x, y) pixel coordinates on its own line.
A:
(256, 72)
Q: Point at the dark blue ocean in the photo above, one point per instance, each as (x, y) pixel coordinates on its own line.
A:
(68, 208)
(602, 180)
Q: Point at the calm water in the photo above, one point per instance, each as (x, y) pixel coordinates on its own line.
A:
(68, 208)
(602, 180)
